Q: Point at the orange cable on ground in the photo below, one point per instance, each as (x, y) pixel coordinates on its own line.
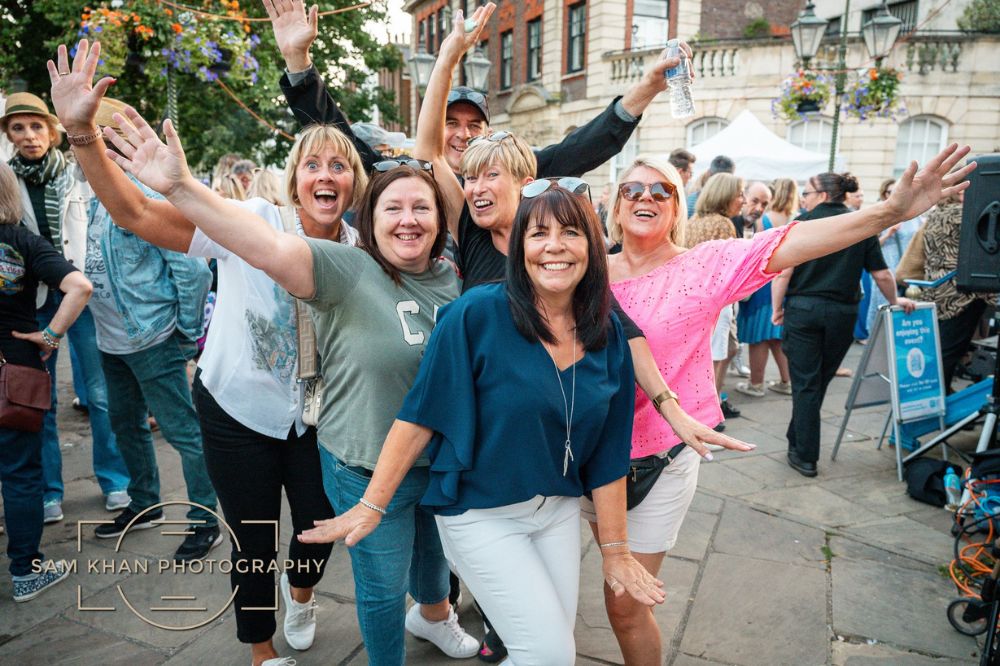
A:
(256, 117)
(185, 8)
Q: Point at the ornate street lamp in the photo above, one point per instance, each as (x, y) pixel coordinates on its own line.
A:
(477, 70)
(807, 32)
(880, 33)
(421, 65)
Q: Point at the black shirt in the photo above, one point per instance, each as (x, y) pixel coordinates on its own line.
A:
(480, 261)
(25, 260)
(836, 276)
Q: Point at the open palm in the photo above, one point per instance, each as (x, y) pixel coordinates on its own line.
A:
(160, 166)
(916, 191)
(73, 95)
(294, 30)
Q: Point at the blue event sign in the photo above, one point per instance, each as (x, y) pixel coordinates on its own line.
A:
(914, 343)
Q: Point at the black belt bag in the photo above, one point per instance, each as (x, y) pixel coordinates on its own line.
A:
(643, 473)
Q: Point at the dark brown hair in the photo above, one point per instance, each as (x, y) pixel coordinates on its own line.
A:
(364, 222)
(836, 185)
(592, 296)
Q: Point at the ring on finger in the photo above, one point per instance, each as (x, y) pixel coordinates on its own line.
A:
(64, 73)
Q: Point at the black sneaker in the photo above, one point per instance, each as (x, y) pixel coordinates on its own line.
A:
(197, 544)
(147, 520)
(728, 410)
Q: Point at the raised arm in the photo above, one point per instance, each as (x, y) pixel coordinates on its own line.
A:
(914, 193)
(295, 31)
(433, 111)
(593, 144)
(286, 258)
(76, 102)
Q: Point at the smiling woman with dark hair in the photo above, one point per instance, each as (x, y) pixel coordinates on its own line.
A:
(525, 398)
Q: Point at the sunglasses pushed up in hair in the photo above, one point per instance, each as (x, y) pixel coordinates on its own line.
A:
(572, 184)
(389, 165)
(496, 136)
(660, 192)
(466, 96)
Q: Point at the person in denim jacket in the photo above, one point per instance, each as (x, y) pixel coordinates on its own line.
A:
(148, 305)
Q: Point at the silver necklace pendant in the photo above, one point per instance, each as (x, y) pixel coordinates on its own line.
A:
(568, 408)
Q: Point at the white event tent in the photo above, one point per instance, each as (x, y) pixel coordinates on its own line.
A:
(759, 153)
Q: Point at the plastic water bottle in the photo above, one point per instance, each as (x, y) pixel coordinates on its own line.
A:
(953, 489)
(679, 82)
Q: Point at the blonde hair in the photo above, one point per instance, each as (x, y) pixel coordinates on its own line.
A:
(786, 197)
(10, 196)
(718, 194)
(311, 141)
(266, 185)
(672, 176)
(230, 187)
(511, 152)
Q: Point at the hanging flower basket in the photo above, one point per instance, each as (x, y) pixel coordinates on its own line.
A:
(805, 91)
(875, 94)
(156, 40)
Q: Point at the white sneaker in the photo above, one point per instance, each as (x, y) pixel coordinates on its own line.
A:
(277, 661)
(755, 390)
(447, 635)
(52, 512)
(117, 500)
(300, 619)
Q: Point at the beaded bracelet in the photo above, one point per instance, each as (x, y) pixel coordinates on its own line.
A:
(83, 139)
(374, 507)
(612, 544)
(49, 339)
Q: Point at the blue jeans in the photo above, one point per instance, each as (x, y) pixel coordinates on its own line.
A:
(21, 485)
(157, 377)
(79, 381)
(109, 467)
(403, 554)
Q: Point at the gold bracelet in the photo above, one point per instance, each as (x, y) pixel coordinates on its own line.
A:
(83, 139)
(658, 400)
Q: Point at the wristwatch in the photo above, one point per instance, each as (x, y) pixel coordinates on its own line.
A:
(661, 398)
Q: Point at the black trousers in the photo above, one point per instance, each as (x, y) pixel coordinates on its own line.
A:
(956, 333)
(817, 334)
(249, 471)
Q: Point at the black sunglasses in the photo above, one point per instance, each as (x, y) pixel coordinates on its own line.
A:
(389, 165)
(572, 184)
(660, 192)
(466, 96)
(496, 136)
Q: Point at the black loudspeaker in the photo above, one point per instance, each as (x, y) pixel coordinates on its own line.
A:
(979, 247)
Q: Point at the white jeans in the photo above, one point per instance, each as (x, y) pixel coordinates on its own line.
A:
(522, 563)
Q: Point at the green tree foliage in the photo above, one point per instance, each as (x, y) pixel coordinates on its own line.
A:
(211, 123)
(981, 16)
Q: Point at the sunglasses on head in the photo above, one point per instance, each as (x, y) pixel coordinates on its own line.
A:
(572, 184)
(389, 165)
(466, 96)
(660, 192)
(496, 136)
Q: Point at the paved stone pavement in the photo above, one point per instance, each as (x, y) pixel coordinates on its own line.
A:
(770, 568)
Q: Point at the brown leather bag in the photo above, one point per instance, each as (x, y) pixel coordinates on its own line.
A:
(25, 396)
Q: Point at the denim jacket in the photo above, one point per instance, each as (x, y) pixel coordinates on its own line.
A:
(151, 287)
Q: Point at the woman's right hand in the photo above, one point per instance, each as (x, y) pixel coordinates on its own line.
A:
(160, 166)
(74, 98)
(352, 527)
(458, 41)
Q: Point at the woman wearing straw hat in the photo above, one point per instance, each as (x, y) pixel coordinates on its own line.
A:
(55, 197)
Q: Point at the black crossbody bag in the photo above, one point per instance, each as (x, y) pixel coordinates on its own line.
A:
(642, 475)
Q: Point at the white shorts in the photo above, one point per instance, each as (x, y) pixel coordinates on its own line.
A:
(720, 336)
(654, 524)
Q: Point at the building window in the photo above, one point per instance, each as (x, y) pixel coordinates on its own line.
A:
(443, 27)
(534, 49)
(919, 139)
(649, 23)
(905, 11)
(506, 59)
(812, 134)
(624, 159)
(704, 128)
(577, 37)
(432, 34)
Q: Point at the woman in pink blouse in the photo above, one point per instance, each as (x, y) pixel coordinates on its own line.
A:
(675, 296)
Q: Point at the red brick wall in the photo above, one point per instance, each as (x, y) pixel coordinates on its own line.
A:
(726, 19)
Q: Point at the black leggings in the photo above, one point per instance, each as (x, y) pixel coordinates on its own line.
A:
(248, 471)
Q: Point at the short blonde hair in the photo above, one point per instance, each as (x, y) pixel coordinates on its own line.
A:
(512, 152)
(786, 196)
(266, 185)
(230, 187)
(718, 193)
(311, 141)
(10, 196)
(672, 176)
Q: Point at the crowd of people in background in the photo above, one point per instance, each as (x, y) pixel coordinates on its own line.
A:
(372, 330)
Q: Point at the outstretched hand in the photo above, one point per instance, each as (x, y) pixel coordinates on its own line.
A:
(294, 30)
(697, 435)
(916, 191)
(74, 98)
(459, 41)
(352, 526)
(160, 166)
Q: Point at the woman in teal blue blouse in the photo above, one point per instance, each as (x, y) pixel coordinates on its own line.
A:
(525, 396)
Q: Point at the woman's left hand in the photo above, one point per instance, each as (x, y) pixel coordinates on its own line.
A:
(352, 527)
(36, 339)
(623, 573)
(916, 191)
(696, 434)
(74, 96)
(160, 166)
